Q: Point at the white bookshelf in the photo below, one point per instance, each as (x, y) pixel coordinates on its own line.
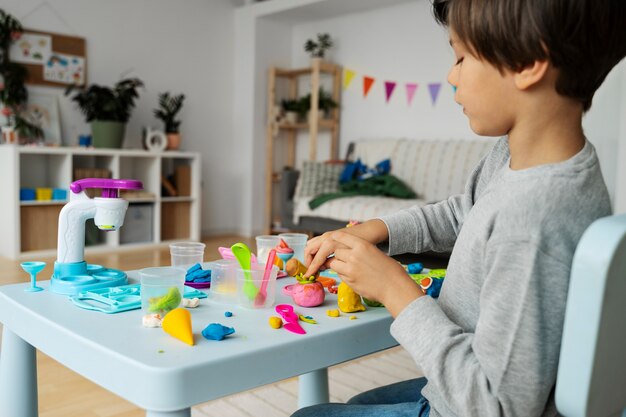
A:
(30, 227)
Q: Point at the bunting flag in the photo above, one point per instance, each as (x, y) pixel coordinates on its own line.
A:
(434, 88)
(367, 85)
(410, 92)
(348, 75)
(389, 87)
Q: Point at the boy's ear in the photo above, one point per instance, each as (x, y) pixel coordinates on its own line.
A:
(531, 74)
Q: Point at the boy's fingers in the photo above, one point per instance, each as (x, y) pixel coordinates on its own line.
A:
(319, 259)
(347, 240)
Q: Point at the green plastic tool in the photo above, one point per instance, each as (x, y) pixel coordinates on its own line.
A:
(242, 253)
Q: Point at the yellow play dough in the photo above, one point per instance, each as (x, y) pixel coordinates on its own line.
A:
(177, 323)
(347, 300)
(275, 322)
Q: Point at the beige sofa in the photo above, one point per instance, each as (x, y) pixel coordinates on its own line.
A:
(433, 168)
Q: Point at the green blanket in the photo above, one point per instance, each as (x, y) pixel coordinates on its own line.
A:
(385, 185)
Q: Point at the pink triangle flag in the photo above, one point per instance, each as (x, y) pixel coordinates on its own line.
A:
(410, 91)
(434, 88)
(389, 87)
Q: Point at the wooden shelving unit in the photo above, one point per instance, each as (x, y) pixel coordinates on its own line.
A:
(30, 227)
(276, 131)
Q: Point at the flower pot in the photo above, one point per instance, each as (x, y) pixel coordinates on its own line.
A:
(107, 134)
(291, 117)
(173, 141)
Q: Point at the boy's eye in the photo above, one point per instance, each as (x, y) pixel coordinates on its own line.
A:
(459, 61)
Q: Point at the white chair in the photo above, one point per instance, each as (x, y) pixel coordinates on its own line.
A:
(591, 380)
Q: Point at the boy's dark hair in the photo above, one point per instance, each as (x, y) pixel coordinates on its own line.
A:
(583, 39)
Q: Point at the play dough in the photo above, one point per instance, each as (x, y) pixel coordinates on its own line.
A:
(347, 300)
(177, 323)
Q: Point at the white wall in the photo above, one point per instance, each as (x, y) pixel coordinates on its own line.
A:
(172, 46)
(403, 43)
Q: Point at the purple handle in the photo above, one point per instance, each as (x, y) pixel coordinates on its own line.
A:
(109, 187)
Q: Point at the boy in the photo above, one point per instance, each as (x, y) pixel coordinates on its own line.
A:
(526, 70)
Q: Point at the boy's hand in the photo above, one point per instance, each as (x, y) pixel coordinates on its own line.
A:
(371, 273)
(319, 248)
(317, 251)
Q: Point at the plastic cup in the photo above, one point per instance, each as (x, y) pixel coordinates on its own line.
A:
(187, 254)
(297, 242)
(247, 290)
(223, 281)
(162, 289)
(265, 243)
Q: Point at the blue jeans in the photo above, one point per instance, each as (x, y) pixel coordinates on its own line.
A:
(402, 399)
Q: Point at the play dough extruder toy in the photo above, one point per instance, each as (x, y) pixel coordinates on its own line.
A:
(71, 273)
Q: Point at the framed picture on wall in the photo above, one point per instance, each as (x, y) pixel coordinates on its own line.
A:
(42, 110)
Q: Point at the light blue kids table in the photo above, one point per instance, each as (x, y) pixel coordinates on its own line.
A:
(163, 375)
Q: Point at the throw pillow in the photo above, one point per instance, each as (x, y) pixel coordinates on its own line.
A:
(318, 178)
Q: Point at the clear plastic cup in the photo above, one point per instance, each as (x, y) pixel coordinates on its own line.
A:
(248, 288)
(162, 289)
(223, 281)
(297, 242)
(265, 243)
(187, 254)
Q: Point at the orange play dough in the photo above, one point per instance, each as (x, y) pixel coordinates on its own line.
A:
(177, 323)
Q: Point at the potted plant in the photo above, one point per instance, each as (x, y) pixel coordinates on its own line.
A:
(325, 103)
(317, 49)
(107, 109)
(169, 106)
(13, 92)
(293, 110)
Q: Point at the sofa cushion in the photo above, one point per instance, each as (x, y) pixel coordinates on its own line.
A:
(360, 208)
(434, 168)
(318, 178)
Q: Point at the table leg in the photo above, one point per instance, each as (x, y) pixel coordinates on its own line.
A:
(18, 377)
(180, 413)
(313, 388)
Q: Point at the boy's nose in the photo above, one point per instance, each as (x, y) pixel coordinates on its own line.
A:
(453, 77)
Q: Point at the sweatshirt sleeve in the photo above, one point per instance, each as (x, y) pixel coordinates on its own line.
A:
(436, 226)
(508, 365)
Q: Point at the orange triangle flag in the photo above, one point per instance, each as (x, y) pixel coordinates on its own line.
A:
(177, 323)
(367, 85)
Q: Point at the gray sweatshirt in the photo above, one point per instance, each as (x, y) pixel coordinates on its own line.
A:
(490, 345)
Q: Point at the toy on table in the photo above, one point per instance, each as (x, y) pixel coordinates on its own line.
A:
(290, 318)
(431, 281)
(295, 267)
(243, 255)
(33, 268)
(227, 253)
(261, 296)
(307, 292)
(177, 323)
(347, 300)
(112, 300)
(216, 331)
(196, 277)
(71, 273)
(284, 252)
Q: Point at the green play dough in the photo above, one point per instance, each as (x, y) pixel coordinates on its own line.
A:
(168, 302)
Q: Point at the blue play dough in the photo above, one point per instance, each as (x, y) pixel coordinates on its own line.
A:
(197, 274)
(435, 287)
(216, 331)
(415, 268)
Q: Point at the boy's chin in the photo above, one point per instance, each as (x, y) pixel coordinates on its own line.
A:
(483, 129)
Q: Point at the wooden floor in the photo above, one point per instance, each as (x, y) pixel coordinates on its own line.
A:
(63, 393)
